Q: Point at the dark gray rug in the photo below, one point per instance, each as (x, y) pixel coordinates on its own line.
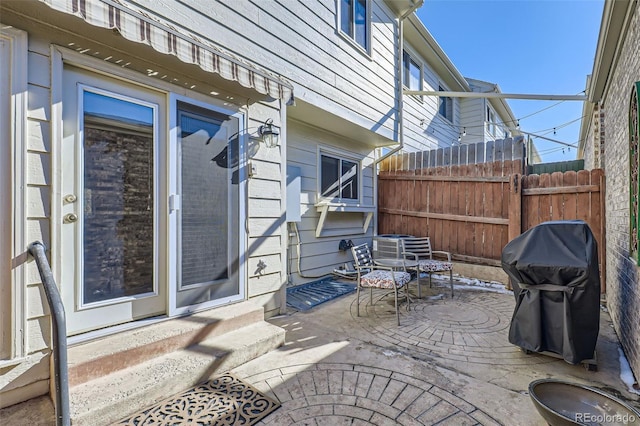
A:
(225, 400)
(306, 296)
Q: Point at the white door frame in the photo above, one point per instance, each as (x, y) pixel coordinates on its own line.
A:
(61, 54)
(13, 163)
(173, 217)
(83, 316)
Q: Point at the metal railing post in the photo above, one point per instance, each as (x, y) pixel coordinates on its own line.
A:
(60, 365)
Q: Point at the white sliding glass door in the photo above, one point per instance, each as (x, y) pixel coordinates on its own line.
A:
(205, 207)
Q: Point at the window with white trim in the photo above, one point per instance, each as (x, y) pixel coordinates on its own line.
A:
(339, 178)
(354, 21)
(491, 121)
(445, 105)
(412, 72)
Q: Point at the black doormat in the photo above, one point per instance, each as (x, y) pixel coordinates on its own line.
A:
(306, 296)
(225, 400)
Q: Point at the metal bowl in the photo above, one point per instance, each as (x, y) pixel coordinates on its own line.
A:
(562, 403)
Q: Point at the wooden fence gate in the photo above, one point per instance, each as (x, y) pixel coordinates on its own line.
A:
(474, 214)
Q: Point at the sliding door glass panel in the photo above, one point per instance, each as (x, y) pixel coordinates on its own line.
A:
(208, 217)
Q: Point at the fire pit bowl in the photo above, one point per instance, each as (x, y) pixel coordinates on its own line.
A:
(563, 404)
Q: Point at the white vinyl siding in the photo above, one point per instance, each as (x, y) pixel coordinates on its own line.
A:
(321, 255)
(472, 117)
(424, 127)
(31, 376)
(300, 39)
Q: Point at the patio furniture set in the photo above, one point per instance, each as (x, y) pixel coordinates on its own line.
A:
(389, 264)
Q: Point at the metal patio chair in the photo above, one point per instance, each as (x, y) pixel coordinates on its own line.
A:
(391, 252)
(377, 276)
(421, 247)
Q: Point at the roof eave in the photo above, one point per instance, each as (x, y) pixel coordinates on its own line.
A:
(423, 42)
(612, 27)
(401, 7)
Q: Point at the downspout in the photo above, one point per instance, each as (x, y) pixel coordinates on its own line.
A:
(400, 97)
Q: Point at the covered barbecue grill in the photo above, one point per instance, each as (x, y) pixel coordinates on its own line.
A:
(556, 281)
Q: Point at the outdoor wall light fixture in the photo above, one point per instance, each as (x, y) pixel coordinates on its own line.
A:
(269, 134)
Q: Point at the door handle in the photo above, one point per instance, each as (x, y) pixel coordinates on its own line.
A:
(70, 218)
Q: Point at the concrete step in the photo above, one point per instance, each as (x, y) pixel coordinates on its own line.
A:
(107, 399)
(106, 355)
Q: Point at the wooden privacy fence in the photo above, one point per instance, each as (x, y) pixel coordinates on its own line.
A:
(473, 211)
(501, 150)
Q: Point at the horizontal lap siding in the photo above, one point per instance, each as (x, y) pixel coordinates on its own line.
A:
(320, 256)
(299, 40)
(30, 377)
(265, 218)
(436, 130)
(472, 112)
(38, 191)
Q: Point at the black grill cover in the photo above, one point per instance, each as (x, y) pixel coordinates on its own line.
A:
(556, 281)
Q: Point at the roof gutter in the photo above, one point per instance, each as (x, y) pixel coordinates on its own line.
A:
(496, 95)
(400, 92)
(457, 79)
(615, 23)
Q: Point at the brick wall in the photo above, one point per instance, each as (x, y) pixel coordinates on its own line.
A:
(623, 276)
(594, 149)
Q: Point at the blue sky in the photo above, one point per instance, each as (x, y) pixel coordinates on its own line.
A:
(525, 46)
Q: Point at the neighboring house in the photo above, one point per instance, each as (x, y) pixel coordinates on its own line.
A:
(499, 121)
(609, 139)
(439, 122)
(138, 155)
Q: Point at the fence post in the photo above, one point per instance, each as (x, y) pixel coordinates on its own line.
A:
(515, 210)
(515, 205)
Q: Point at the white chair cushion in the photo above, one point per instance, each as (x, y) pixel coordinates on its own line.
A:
(384, 279)
(435, 265)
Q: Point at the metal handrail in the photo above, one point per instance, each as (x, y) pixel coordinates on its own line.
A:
(60, 366)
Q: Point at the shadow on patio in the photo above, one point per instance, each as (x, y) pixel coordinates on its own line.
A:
(449, 362)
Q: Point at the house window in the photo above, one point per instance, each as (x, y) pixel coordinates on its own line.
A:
(354, 21)
(634, 169)
(412, 75)
(491, 122)
(339, 178)
(445, 105)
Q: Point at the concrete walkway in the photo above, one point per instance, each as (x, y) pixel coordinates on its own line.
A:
(449, 362)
